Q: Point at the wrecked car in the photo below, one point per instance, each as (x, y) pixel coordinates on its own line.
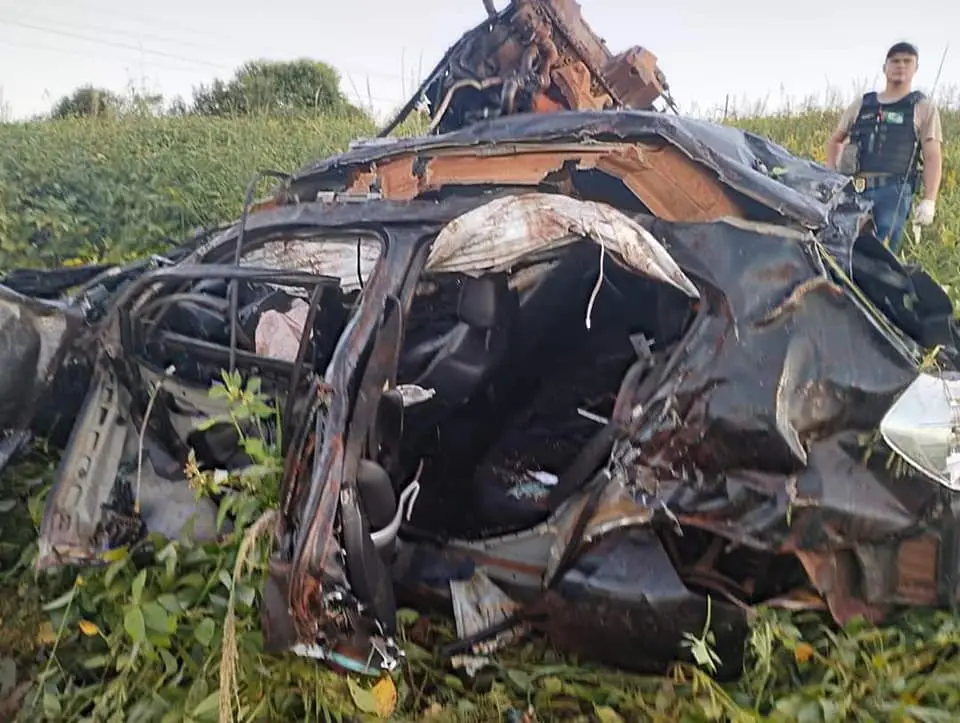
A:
(598, 373)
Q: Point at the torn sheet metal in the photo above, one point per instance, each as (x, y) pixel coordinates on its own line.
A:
(665, 180)
(708, 432)
(779, 380)
(496, 236)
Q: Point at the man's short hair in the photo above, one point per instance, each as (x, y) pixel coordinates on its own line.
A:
(903, 47)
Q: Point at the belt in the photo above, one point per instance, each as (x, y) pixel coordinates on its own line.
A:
(864, 183)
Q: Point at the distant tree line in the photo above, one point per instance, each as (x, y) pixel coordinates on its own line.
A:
(258, 87)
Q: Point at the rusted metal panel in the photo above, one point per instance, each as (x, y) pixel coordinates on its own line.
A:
(916, 571)
(527, 169)
(635, 77)
(397, 180)
(669, 183)
(834, 575)
(576, 85)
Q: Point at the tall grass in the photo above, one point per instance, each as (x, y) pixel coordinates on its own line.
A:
(76, 190)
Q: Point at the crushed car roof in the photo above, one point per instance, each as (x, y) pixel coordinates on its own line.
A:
(799, 190)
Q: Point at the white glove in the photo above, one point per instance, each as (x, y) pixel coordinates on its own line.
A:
(923, 214)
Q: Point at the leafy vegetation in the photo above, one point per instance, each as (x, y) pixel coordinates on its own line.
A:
(258, 88)
(170, 631)
(88, 102)
(269, 88)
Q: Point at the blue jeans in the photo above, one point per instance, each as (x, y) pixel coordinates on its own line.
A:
(888, 215)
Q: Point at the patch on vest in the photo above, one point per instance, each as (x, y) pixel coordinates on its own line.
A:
(894, 117)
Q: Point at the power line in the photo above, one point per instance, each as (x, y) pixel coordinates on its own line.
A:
(74, 26)
(66, 51)
(86, 54)
(151, 21)
(176, 41)
(138, 19)
(113, 43)
(143, 51)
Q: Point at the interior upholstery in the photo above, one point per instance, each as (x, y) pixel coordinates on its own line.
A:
(471, 351)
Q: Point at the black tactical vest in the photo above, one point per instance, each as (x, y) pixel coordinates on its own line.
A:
(886, 135)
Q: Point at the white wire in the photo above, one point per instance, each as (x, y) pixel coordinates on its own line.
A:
(596, 286)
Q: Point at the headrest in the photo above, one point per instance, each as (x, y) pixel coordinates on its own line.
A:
(480, 300)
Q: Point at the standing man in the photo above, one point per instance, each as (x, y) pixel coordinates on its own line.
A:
(892, 136)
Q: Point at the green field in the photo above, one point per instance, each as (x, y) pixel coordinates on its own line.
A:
(143, 639)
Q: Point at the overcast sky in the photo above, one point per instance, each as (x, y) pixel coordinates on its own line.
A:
(709, 50)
